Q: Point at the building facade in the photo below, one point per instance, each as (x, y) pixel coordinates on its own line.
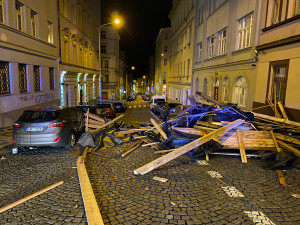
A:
(181, 46)
(79, 40)
(151, 74)
(110, 63)
(278, 58)
(224, 54)
(29, 46)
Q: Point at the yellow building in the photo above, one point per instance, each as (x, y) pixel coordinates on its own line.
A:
(162, 63)
(29, 54)
(224, 54)
(182, 45)
(278, 65)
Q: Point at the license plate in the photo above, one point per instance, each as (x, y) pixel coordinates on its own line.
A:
(118, 107)
(34, 129)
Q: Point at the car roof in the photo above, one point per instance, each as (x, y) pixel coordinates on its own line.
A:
(48, 108)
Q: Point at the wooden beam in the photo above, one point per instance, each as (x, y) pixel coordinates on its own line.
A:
(30, 197)
(188, 130)
(287, 138)
(149, 144)
(241, 145)
(272, 118)
(93, 116)
(186, 148)
(137, 144)
(275, 141)
(281, 177)
(108, 123)
(163, 134)
(87, 120)
(131, 131)
(289, 148)
(202, 123)
(273, 108)
(163, 151)
(282, 110)
(95, 122)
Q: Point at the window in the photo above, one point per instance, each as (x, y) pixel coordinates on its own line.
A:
(103, 34)
(188, 68)
(196, 86)
(245, 31)
(106, 63)
(199, 51)
(240, 90)
(216, 89)
(166, 49)
(19, 11)
(22, 78)
(166, 36)
(222, 42)
(225, 89)
(33, 20)
(103, 49)
(50, 32)
(106, 79)
(1, 11)
(36, 78)
(210, 46)
(4, 78)
(278, 82)
(205, 86)
(211, 6)
(165, 62)
(51, 78)
(200, 15)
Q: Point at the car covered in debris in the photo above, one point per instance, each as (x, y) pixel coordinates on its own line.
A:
(118, 106)
(108, 109)
(48, 127)
(92, 109)
(167, 109)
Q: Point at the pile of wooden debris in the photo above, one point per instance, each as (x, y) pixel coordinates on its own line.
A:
(206, 129)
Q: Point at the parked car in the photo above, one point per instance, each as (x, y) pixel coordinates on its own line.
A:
(156, 99)
(92, 109)
(178, 109)
(167, 109)
(118, 106)
(108, 109)
(129, 99)
(146, 97)
(158, 107)
(48, 127)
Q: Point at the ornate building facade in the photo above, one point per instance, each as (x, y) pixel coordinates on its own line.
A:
(29, 46)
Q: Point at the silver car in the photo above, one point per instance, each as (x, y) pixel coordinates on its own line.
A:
(48, 127)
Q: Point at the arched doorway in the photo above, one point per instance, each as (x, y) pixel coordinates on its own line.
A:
(225, 89)
(240, 91)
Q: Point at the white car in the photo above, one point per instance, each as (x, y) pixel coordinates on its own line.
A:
(155, 99)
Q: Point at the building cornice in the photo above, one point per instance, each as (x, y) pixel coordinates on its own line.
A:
(279, 43)
(249, 62)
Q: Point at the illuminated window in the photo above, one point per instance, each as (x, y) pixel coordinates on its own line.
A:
(210, 47)
(36, 78)
(222, 42)
(33, 20)
(51, 78)
(22, 78)
(4, 78)
(245, 31)
(50, 32)
(1, 11)
(19, 14)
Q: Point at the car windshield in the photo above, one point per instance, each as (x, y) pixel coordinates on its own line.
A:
(102, 106)
(159, 100)
(118, 103)
(173, 105)
(85, 108)
(38, 116)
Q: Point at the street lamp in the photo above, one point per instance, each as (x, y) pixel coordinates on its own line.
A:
(117, 21)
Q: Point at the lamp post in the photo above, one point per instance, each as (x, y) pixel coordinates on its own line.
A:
(100, 66)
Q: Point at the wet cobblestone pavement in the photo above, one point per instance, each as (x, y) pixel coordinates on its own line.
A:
(26, 173)
(244, 193)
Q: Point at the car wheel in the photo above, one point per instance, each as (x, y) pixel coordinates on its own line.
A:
(72, 142)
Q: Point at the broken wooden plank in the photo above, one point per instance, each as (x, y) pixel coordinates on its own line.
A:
(139, 142)
(188, 130)
(93, 116)
(206, 124)
(186, 148)
(108, 123)
(241, 145)
(203, 128)
(87, 120)
(95, 122)
(160, 179)
(272, 118)
(132, 131)
(289, 148)
(163, 151)
(149, 144)
(163, 134)
(281, 178)
(273, 108)
(287, 138)
(275, 141)
(281, 108)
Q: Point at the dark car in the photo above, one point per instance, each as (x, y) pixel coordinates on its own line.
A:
(119, 107)
(92, 109)
(108, 109)
(178, 109)
(157, 108)
(48, 127)
(167, 109)
(129, 99)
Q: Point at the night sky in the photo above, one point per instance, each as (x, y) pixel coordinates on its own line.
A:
(142, 20)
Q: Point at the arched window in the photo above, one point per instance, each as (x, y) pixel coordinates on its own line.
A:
(216, 89)
(205, 86)
(225, 89)
(240, 90)
(197, 86)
